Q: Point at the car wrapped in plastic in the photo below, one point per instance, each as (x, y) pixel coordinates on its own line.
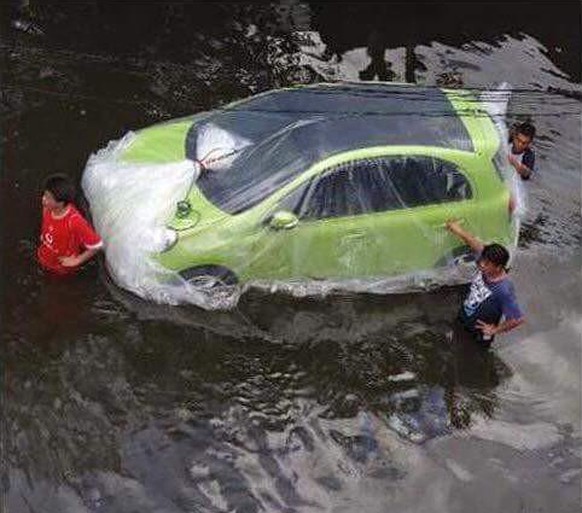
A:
(328, 186)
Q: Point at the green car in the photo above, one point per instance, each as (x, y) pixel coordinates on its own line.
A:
(331, 181)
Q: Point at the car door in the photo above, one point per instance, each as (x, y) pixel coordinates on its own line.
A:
(328, 240)
(414, 196)
(370, 217)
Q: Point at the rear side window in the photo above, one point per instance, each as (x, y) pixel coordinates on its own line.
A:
(427, 181)
(376, 185)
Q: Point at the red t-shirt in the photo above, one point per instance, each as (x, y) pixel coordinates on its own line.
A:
(69, 235)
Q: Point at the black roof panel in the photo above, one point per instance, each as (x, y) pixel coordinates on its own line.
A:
(373, 113)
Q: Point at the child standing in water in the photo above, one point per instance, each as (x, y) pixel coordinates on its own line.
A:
(521, 155)
(67, 240)
(491, 306)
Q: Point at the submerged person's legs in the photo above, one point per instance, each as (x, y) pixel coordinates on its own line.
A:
(461, 334)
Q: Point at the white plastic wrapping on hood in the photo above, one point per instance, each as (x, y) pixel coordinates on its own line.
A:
(130, 205)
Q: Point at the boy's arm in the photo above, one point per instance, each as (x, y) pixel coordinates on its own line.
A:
(512, 315)
(470, 239)
(524, 168)
(502, 327)
(76, 261)
(89, 239)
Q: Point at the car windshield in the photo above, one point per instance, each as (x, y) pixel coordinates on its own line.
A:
(277, 136)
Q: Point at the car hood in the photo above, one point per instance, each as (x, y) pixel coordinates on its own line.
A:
(202, 213)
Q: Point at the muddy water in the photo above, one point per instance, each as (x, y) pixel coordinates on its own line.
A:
(344, 403)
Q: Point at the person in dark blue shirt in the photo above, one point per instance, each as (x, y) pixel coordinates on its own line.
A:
(521, 155)
(490, 306)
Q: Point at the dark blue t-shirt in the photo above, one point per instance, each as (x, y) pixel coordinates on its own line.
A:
(489, 302)
(527, 158)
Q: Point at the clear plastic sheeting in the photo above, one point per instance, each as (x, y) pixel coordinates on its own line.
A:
(307, 191)
(495, 103)
(217, 148)
(130, 205)
(459, 272)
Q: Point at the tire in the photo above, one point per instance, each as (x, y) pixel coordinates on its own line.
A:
(209, 276)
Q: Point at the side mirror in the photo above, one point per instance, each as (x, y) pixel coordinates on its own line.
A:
(283, 220)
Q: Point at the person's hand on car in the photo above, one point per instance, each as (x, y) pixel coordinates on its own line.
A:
(453, 225)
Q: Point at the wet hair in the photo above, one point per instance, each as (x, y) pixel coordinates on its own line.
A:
(496, 254)
(61, 187)
(526, 129)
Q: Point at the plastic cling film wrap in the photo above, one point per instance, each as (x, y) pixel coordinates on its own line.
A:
(217, 148)
(306, 191)
(495, 102)
(130, 204)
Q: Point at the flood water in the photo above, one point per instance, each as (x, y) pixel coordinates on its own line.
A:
(342, 403)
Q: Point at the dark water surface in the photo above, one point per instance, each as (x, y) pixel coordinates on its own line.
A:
(345, 403)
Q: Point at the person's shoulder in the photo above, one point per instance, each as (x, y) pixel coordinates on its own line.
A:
(506, 286)
(74, 214)
(80, 225)
(76, 220)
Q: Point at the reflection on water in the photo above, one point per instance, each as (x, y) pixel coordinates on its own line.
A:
(208, 393)
(114, 404)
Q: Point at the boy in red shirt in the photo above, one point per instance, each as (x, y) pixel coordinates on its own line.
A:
(66, 239)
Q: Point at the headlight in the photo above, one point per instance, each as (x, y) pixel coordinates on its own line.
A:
(161, 239)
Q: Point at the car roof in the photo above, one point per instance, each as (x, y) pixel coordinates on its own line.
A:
(351, 116)
(277, 135)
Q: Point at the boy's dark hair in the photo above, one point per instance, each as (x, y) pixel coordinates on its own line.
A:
(526, 129)
(61, 187)
(496, 253)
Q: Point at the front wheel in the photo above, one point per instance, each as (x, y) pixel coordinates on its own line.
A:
(209, 276)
